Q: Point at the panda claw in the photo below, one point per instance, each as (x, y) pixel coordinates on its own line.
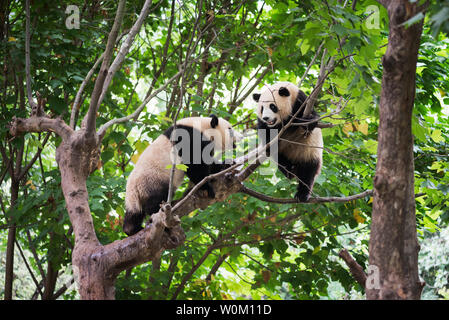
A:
(302, 197)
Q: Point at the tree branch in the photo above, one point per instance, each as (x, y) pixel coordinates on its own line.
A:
(355, 269)
(77, 102)
(266, 198)
(90, 119)
(36, 156)
(28, 268)
(27, 57)
(310, 64)
(116, 64)
(313, 96)
(324, 72)
(192, 271)
(135, 114)
(40, 124)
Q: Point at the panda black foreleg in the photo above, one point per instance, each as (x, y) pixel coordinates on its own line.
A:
(306, 173)
(285, 166)
(314, 116)
(196, 173)
(311, 117)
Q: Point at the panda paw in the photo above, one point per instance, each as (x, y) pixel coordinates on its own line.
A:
(207, 191)
(302, 196)
(312, 125)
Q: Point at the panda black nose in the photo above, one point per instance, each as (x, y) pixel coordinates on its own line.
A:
(266, 118)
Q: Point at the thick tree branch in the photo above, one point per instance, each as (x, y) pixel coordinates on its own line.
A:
(78, 98)
(40, 124)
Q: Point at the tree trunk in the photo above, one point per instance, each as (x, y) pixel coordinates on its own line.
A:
(9, 266)
(76, 158)
(393, 246)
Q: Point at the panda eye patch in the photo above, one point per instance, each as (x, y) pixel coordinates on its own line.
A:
(274, 108)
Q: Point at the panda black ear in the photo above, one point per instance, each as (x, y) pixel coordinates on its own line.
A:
(213, 121)
(283, 92)
(256, 97)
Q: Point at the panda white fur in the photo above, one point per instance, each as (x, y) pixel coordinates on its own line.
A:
(196, 140)
(300, 148)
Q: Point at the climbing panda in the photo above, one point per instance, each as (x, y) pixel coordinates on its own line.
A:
(195, 140)
(300, 148)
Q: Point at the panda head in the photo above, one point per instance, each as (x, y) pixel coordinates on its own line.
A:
(214, 129)
(277, 103)
(222, 134)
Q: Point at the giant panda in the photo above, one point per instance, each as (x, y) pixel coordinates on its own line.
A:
(300, 148)
(195, 140)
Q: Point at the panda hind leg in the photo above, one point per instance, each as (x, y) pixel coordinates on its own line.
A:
(133, 222)
(306, 173)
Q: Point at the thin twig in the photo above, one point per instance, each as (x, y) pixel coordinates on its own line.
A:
(136, 113)
(77, 102)
(28, 268)
(36, 156)
(201, 183)
(27, 56)
(310, 64)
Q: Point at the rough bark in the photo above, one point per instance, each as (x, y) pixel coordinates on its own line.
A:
(393, 243)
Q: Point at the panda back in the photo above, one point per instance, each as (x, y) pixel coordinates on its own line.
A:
(152, 169)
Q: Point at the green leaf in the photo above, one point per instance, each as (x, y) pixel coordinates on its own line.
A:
(371, 146)
(182, 167)
(436, 136)
(418, 130)
(415, 19)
